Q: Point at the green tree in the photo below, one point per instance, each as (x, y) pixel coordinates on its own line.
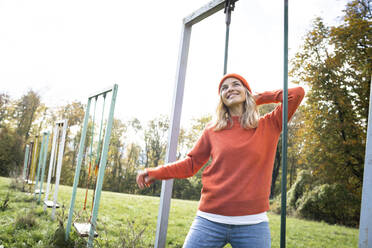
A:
(335, 63)
(11, 155)
(155, 138)
(25, 113)
(74, 113)
(115, 168)
(4, 108)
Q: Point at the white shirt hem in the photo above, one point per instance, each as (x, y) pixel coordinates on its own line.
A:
(235, 220)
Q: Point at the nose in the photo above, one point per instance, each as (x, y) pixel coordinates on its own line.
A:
(229, 88)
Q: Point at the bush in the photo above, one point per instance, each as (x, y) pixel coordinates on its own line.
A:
(302, 185)
(10, 151)
(331, 203)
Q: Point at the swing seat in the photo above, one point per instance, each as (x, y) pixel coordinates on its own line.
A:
(37, 191)
(49, 204)
(83, 229)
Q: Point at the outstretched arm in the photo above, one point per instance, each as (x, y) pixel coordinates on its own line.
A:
(179, 169)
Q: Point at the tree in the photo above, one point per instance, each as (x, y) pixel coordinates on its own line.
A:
(155, 138)
(4, 108)
(25, 113)
(115, 154)
(10, 152)
(74, 113)
(335, 63)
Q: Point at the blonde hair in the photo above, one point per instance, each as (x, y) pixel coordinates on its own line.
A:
(248, 120)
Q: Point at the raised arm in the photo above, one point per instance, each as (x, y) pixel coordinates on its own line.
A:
(295, 96)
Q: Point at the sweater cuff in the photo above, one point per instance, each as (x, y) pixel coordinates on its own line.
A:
(157, 173)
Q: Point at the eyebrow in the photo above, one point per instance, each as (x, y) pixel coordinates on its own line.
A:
(235, 81)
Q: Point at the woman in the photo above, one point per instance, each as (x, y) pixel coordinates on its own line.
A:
(236, 184)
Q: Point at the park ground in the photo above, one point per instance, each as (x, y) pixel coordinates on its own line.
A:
(130, 221)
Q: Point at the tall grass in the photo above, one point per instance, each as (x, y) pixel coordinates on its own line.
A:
(131, 219)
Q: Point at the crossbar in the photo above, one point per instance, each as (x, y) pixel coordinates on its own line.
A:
(204, 12)
(101, 92)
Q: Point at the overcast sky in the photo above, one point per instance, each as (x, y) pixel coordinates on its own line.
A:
(66, 50)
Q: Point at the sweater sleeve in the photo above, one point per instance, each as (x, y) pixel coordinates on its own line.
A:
(187, 167)
(295, 96)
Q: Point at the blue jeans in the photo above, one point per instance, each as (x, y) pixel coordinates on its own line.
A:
(206, 233)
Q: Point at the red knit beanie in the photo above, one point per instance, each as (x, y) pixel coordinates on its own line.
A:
(237, 76)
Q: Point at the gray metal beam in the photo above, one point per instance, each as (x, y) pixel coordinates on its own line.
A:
(204, 12)
(365, 227)
(166, 191)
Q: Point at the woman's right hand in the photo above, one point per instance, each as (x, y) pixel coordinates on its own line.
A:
(144, 180)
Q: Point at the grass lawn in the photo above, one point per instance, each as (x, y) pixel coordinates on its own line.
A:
(123, 217)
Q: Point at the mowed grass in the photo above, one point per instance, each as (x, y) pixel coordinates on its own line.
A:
(122, 214)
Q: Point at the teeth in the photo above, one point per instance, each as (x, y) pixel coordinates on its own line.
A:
(231, 95)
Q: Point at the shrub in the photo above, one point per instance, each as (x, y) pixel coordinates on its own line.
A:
(302, 185)
(331, 203)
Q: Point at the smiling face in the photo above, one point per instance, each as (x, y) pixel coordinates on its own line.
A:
(232, 92)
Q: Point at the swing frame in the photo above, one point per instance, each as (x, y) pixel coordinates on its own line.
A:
(41, 166)
(32, 168)
(102, 164)
(26, 159)
(55, 166)
(167, 185)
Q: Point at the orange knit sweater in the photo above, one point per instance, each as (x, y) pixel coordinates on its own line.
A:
(238, 180)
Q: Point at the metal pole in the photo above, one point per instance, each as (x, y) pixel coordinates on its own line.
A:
(229, 6)
(33, 162)
(284, 132)
(59, 166)
(43, 165)
(77, 170)
(26, 161)
(365, 227)
(51, 162)
(226, 49)
(29, 163)
(167, 185)
(102, 166)
(39, 164)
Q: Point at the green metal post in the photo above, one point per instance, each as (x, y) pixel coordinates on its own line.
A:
(39, 165)
(226, 48)
(43, 164)
(285, 131)
(26, 161)
(102, 166)
(77, 170)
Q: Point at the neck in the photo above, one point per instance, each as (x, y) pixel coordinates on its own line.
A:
(236, 110)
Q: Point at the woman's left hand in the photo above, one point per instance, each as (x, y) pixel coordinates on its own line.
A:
(144, 180)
